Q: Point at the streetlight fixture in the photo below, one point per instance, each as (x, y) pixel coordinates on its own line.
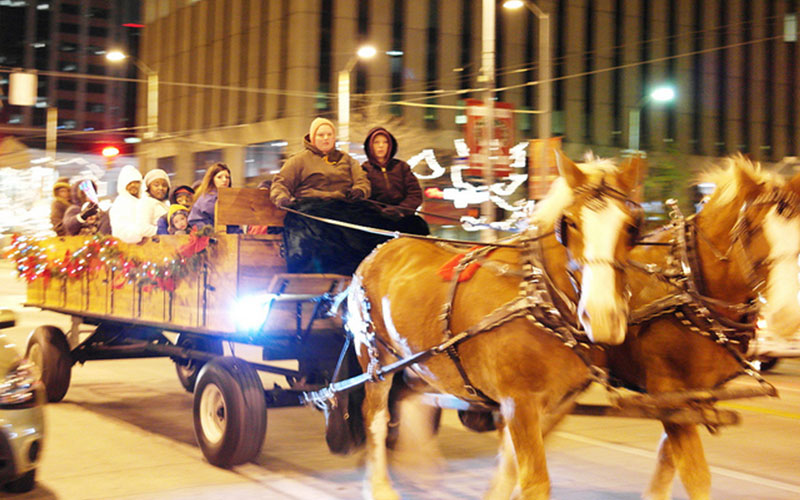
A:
(152, 90)
(662, 93)
(363, 52)
(544, 86)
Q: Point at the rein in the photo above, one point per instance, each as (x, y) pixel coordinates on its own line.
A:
(397, 234)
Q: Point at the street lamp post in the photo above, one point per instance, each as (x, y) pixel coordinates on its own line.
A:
(663, 93)
(151, 130)
(545, 85)
(365, 52)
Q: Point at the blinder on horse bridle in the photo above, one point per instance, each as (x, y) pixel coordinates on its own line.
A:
(786, 205)
(597, 202)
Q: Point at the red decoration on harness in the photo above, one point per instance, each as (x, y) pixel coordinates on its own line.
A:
(447, 270)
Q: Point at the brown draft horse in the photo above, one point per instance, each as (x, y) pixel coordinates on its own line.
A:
(398, 306)
(745, 237)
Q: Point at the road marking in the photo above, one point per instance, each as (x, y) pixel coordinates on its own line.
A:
(742, 476)
(763, 411)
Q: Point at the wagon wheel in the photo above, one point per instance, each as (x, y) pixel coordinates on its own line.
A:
(49, 350)
(22, 484)
(767, 363)
(188, 369)
(230, 412)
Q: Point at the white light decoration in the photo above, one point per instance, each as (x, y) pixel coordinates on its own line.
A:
(430, 158)
(461, 147)
(515, 181)
(518, 155)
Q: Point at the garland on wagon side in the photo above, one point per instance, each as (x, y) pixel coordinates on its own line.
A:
(101, 253)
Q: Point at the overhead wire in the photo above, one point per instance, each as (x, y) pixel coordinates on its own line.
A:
(427, 95)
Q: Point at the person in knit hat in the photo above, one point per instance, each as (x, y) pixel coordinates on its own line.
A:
(319, 171)
(324, 182)
(60, 205)
(153, 203)
(181, 195)
(178, 219)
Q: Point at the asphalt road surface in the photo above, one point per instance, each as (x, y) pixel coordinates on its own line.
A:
(124, 431)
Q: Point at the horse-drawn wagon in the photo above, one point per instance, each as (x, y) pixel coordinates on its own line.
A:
(187, 297)
(571, 267)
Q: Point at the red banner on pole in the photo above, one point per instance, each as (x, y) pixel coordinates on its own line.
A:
(475, 137)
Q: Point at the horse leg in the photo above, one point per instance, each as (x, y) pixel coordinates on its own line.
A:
(690, 460)
(505, 479)
(523, 418)
(660, 487)
(377, 485)
(681, 449)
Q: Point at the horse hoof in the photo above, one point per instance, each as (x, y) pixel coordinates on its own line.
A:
(382, 492)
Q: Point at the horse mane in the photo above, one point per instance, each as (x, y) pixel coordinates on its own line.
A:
(723, 176)
(560, 196)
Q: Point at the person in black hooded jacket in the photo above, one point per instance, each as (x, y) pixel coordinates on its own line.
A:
(394, 187)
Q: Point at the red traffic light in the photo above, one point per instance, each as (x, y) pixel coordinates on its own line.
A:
(110, 151)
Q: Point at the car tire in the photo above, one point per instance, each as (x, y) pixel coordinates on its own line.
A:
(230, 412)
(49, 350)
(22, 484)
(188, 370)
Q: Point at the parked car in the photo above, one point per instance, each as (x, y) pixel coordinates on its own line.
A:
(22, 400)
(768, 349)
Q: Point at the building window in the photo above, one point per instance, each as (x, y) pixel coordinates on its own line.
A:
(167, 164)
(264, 159)
(98, 13)
(96, 69)
(67, 124)
(95, 88)
(68, 47)
(70, 85)
(98, 31)
(68, 28)
(68, 8)
(69, 66)
(203, 160)
(95, 107)
(65, 104)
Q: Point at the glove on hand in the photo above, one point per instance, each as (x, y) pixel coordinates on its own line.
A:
(87, 210)
(283, 202)
(355, 195)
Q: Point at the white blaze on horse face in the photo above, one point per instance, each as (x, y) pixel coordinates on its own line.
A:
(602, 310)
(783, 285)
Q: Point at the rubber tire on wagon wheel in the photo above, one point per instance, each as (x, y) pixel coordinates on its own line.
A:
(187, 370)
(230, 412)
(22, 484)
(49, 350)
(767, 364)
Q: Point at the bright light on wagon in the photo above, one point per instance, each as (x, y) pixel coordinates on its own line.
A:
(251, 312)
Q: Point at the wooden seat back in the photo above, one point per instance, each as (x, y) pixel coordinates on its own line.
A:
(246, 206)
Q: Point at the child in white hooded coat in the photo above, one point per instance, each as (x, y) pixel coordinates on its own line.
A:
(122, 214)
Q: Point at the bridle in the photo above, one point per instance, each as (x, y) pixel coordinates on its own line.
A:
(598, 196)
(696, 311)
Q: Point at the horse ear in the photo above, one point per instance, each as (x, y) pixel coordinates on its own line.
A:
(569, 170)
(749, 186)
(629, 173)
(794, 184)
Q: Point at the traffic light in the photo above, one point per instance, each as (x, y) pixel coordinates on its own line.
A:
(110, 152)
